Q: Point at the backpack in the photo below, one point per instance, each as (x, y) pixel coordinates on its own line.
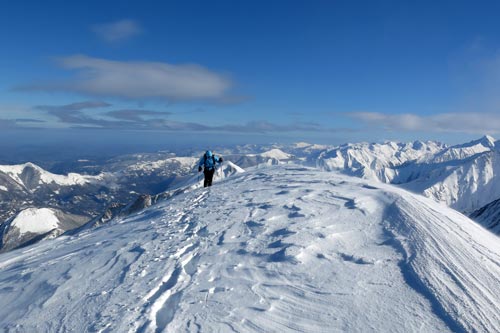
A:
(209, 162)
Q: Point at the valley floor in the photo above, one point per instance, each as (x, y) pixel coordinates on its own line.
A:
(278, 249)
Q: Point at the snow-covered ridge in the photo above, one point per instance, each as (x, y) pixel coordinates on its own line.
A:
(16, 172)
(279, 249)
(374, 160)
(467, 150)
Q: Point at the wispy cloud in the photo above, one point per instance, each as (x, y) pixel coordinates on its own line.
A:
(72, 113)
(136, 115)
(139, 80)
(76, 114)
(267, 127)
(73, 106)
(20, 123)
(118, 31)
(30, 120)
(81, 115)
(12, 116)
(470, 122)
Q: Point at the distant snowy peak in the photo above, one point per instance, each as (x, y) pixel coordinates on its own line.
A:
(308, 146)
(486, 141)
(300, 145)
(30, 176)
(270, 157)
(307, 150)
(467, 150)
(35, 220)
(368, 160)
(276, 154)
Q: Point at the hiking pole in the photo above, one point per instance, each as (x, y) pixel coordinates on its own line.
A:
(219, 169)
(199, 177)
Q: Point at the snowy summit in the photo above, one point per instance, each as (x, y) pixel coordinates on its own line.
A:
(278, 249)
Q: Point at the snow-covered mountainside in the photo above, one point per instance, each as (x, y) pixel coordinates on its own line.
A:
(376, 160)
(465, 185)
(465, 177)
(275, 249)
(489, 216)
(466, 150)
(28, 185)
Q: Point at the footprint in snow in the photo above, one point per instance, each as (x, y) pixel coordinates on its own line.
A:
(254, 227)
(281, 256)
(278, 244)
(284, 232)
(355, 260)
(283, 192)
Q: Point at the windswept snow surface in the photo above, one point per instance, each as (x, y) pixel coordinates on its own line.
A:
(280, 249)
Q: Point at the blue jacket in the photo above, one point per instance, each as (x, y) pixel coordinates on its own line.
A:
(208, 161)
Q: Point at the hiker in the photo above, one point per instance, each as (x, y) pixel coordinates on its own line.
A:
(208, 161)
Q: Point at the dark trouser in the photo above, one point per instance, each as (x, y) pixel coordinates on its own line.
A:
(209, 175)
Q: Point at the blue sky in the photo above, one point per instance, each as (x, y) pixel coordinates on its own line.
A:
(250, 71)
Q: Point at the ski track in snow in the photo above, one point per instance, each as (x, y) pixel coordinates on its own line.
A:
(274, 250)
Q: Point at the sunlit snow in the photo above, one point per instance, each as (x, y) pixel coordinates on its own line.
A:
(278, 249)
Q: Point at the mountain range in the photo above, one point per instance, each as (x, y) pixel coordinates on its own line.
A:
(464, 177)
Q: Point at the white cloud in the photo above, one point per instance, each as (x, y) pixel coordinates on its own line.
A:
(118, 31)
(139, 80)
(466, 122)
